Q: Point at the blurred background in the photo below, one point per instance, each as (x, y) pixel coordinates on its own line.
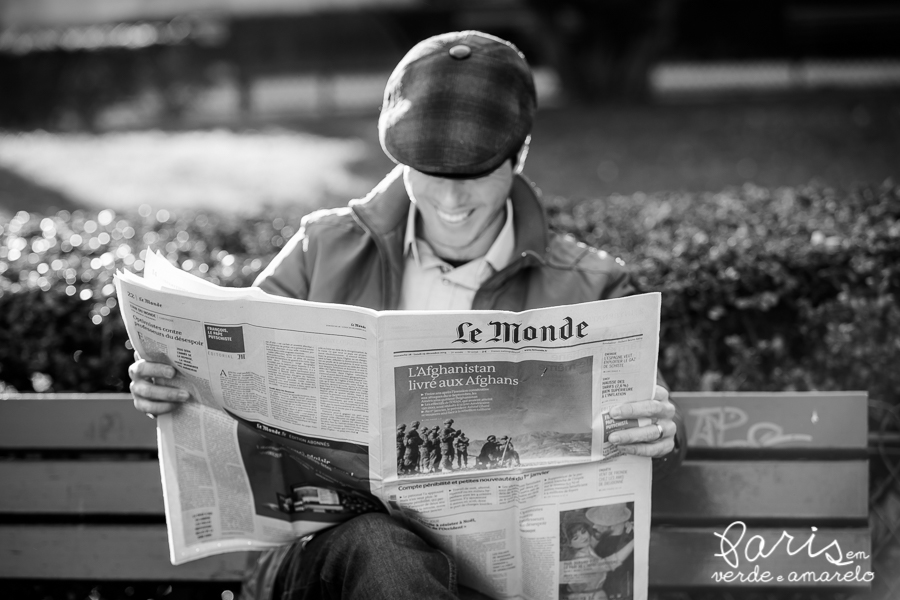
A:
(742, 156)
(234, 104)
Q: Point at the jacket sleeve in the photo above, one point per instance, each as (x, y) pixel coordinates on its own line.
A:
(663, 465)
(288, 273)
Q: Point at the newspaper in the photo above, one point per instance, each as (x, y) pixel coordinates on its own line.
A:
(485, 431)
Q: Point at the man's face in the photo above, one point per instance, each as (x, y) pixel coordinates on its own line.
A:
(460, 218)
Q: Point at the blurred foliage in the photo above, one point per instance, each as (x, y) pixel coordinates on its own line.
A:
(60, 328)
(791, 289)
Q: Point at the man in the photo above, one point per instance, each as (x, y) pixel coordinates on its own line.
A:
(454, 226)
(615, 544)
(434, 459)
(428, 445)
(401, 446)
(488, 455)
(412, 441)
(508, 455)
(462, 451)
(447, 435)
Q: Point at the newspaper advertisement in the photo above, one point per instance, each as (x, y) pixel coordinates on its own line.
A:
(485, 431)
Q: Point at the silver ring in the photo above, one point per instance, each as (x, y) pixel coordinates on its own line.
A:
(661, 433)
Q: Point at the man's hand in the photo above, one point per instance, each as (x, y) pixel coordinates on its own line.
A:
(152, 387)
(649, 440)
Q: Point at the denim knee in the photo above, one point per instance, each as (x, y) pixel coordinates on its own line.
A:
(373, 535)
(370, 557)
(375, 553)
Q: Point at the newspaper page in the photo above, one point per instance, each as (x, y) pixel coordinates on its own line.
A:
(485, 431)
(501, 452)
(274, 443)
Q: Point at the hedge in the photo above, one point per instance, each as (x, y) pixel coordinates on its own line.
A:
(791, 289)
(787, 289)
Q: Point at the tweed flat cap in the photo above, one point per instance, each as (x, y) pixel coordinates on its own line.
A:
(457, 105)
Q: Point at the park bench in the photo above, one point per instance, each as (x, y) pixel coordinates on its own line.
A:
(81, 496)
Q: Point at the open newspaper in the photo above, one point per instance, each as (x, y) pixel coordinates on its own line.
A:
(485, 431)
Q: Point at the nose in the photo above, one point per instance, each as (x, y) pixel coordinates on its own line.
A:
(451, 195)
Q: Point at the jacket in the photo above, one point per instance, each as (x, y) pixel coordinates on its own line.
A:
(354, 255)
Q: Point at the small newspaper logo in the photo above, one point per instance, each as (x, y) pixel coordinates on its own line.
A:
(220, 338)
(611, 425)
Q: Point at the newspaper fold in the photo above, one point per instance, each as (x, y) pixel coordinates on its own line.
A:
(485, 431)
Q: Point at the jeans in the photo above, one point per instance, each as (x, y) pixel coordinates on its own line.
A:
(370, 557)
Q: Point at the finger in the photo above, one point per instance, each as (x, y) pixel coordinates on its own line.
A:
(145, 390)
(154, 408)
(656, 449)
(143, 369)
(639, 435)
(659, 409)
(660, 393)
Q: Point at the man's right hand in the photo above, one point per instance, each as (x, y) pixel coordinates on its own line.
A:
(152, 387)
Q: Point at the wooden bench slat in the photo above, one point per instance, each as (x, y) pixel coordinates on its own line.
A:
(74, 422)
(104, 552)
(679, 557)
(683, 558)
(727, 490)
(715, 490)
(805, 421)
(81, 487)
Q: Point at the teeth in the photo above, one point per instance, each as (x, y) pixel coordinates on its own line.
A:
(454, 217)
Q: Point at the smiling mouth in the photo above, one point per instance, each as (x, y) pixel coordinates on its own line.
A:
(454, 218)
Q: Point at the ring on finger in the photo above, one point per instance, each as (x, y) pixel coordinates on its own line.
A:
(661, 432)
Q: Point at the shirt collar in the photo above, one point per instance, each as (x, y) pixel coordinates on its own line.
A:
(498, 255)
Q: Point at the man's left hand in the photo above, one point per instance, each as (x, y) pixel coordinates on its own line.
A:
(649, 440)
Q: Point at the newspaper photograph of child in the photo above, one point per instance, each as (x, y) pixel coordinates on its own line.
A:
(596, 553)
(466, 416)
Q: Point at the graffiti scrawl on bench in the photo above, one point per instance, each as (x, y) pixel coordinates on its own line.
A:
(722, 427)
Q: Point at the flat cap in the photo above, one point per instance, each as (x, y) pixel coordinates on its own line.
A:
(458, 105)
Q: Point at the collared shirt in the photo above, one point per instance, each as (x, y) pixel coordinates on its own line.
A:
(429, 283)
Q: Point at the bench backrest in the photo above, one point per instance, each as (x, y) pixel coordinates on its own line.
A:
(81, 495)
(788, 463)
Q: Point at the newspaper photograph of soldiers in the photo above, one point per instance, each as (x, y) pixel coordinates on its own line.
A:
(596, 553)
(492, 415)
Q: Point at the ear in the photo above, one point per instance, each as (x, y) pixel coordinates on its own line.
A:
(522, 155)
